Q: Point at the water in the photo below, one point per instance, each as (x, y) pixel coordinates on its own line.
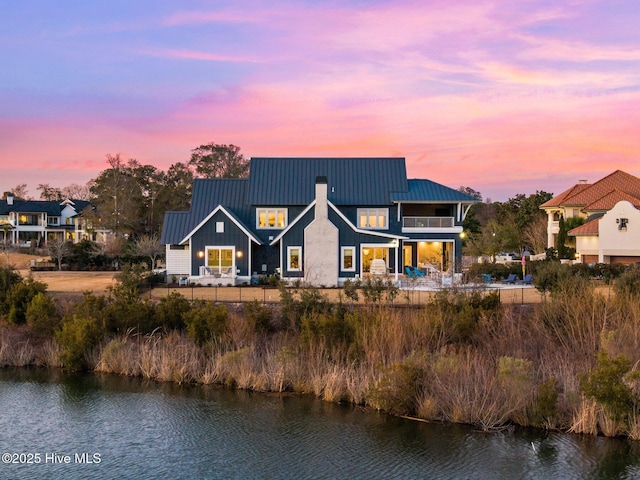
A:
(130, 428)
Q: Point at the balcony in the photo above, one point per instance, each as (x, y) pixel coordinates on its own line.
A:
(428, 222)
(430, 225)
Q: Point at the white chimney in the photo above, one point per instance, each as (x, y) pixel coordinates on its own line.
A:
(322, 208)
(9, 198)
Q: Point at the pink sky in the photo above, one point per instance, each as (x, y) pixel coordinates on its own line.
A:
(506, 97)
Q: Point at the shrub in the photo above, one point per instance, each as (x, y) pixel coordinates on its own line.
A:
(547, 402)
(332, 328)
(205, 322)
(398, 389)
(42, 315)
(76, 338)
(605, 385)
(628, 283)
(171, 309)
(19, 297)
(258, 317)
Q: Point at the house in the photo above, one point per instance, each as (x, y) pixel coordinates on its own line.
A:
(610, 209)
(24, 222)
(320, 220)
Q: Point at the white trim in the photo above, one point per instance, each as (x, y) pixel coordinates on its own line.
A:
(353, 258)
(220, 248)
(231, 217)
(365, 231)
(267, 210)
(368, 211)
(295, 220)
(345, 219)
(289, 249)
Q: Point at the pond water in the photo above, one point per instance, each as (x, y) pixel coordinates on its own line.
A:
(55, 425)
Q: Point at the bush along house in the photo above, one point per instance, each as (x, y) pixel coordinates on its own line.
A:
(318, 220)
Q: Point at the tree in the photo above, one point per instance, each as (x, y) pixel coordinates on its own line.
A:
(471, 192)
(219, 161)
(535, 234)
(58, 248)
(118, 196)
(20, 192)
(49, 193)
(148, 246)
(77, 192)
(562, 238)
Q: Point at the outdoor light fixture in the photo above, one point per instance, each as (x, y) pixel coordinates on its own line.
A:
(201, 254)
(239, 254)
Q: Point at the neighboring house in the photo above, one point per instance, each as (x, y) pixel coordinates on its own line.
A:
(321, 220)
(27, 221)
(610, 207)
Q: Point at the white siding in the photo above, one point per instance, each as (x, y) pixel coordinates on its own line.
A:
(178, 262)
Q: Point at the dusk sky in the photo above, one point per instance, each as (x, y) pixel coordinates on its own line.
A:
(503, 96)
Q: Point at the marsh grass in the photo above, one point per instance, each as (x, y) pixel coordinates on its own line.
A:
(463, 358)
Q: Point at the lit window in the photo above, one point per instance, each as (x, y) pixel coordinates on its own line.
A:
(294, 259)
(373, 218)
(348, 259)
(271, 218)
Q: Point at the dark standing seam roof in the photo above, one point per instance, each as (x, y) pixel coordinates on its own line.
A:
(428, 191)
(207, 195)
(350, 181)
(50, 207)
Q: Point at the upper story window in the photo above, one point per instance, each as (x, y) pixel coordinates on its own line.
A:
(271, 218)
(53, 220)
(373, 218)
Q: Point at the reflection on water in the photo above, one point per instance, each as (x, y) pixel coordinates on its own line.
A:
(142, 429)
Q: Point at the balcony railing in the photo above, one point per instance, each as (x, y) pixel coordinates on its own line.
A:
(428, 222)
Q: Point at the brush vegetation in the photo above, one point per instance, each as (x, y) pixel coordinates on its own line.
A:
(569, 363)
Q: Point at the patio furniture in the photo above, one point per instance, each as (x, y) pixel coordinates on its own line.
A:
(526, 280)
(413, 272)
(510, 279)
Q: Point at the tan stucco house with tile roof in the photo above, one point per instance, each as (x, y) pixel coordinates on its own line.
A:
(611, 209)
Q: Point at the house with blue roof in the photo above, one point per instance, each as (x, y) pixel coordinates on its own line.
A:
(320, 220)
(34, 222)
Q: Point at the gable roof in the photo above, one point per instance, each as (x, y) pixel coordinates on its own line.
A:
(584, 194)
(561, 198)
(231, 216)
(420, 189)
(609, 200)
(589, 228)
(50, 207)
(350, 181)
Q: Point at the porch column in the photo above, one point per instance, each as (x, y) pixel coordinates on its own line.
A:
(397, 247)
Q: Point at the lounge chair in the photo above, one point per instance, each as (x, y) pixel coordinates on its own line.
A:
(413, 272)
(487, 278)
(526, 280)
(510, 279)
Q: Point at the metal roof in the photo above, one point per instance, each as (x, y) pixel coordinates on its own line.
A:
(424, 191)
(50, 207)
(350, 181)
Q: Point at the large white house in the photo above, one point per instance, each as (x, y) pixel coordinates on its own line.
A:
(611, 210)
(35, 222)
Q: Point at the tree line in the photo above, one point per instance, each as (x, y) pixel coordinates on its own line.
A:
(130, 198)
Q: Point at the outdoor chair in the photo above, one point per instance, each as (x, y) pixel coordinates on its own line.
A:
(526, 280)
(487, 278)
(413, 272)
(510, 279)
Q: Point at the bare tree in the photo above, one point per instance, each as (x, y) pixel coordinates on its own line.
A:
(148, 246)
(58, 248)
(20, 192)
(535, 234)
